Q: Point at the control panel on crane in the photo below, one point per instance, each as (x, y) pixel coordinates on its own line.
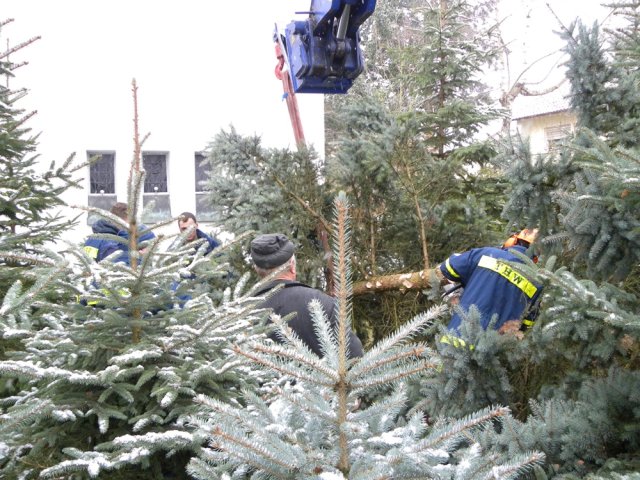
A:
(323, 51)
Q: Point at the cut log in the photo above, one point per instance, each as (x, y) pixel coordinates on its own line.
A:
(401, 282)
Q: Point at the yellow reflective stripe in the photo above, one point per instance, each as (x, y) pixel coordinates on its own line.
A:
(90, 303)
(122, 292)
(451, 271)
(528, 323)
(456, 342)
(91, 251)
(510, 274)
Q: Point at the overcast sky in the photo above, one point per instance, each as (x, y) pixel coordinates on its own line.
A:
(211, 61)
(529, 28)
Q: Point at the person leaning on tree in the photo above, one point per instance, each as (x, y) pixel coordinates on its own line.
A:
(271, 252)
(493, 286)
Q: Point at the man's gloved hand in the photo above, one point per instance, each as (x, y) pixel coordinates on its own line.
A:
(452, 292)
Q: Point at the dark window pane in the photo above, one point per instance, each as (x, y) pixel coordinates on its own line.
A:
(204, 212)
(101, 173)
(202, 172)
(155, 166)
(105, 202)
(156, 207)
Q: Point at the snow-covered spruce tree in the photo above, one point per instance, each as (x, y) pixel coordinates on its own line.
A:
(108, 380)
(29, 198)
(318, 429)
(29, 195)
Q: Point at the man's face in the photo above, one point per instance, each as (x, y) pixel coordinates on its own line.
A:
(186, 224)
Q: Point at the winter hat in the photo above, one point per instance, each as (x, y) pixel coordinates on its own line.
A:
(271, 250)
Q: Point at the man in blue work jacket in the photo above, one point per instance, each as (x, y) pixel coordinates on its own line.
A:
(493, 286)
(100, 248)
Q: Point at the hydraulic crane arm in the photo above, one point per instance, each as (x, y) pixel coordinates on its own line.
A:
(322, 53)
(324, 50)
(283, 74)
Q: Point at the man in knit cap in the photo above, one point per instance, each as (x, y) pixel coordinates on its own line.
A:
(275, 252)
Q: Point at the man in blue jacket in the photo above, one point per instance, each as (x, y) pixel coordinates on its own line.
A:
(100, 248)
(493, 286)
(145, 235)
(187, 220)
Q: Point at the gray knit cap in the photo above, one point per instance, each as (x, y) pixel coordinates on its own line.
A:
(271, 250)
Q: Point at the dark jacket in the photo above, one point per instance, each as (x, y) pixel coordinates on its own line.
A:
(146, 236)
(210, 242)
(99, 248)
(295, 297)
(491, 285)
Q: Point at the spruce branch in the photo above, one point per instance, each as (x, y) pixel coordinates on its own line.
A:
(27, 259)
(376, 356)
(261, 459)
(229, 413)
(343, 294)
(18, 47)
(325, 334)
(306, 402)
(307, 358)
(382, 407)
(189, 335)
(279, 366)
(517, 466)
(393, 375)
(448, 433)
(393, 358)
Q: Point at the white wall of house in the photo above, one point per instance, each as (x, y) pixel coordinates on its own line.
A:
(543, 129)
(200, 67)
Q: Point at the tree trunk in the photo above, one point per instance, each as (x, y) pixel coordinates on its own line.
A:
(400, 282)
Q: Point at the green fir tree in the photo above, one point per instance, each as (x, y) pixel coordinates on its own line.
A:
(29, 195)
(256, 189)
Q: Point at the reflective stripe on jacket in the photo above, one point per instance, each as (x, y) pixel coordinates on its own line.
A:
(99, 248)
(491, 285)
